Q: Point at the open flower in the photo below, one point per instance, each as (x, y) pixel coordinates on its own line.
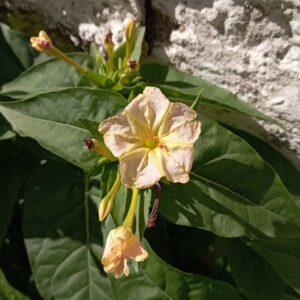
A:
(121, 245)
(152, 138)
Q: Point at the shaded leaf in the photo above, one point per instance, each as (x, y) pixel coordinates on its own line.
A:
(52, 120)
(65, 248)
(253, 275)
(232, 191)
(283, 256)
(288, 173)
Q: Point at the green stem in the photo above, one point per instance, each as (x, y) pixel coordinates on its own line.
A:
(60, 55)
(131, 212)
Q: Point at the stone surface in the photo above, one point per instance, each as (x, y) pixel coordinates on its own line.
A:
(84, 21)
(251, 47)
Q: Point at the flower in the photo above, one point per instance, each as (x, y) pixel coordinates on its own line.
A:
(42, 43)
(152, 138)
(121, 244)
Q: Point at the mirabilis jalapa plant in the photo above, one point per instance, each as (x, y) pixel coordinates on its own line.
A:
(229, 202)
(152, 138)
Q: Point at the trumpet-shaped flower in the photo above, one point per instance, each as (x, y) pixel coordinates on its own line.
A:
(152, 138)
(121, 245)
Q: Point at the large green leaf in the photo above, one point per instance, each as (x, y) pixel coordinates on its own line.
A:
(185, 86)
(232, 192)
(52, 120)
(288, 173)
(62, 234)
(180, 285)
(253, 275)
(283, 256)
(49, 75)
(7, 292)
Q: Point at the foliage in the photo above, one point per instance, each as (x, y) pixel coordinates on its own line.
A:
(232, 232)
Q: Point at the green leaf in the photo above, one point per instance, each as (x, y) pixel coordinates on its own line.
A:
(7, 292)
(52, 120)
(288, 173)
(185, 86)
(253, 275)
(180, 285)
(62, 234)
(283, 256)
(47, 76)
(233, 192)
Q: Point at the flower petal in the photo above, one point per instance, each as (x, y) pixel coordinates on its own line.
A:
(186, 134)
(148, 109)
(177, 115)
(172, 169)
(118, 136)
(139, 169)
(134, 249)
(117, 124)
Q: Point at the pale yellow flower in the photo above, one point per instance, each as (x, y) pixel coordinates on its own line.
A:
(121, 245)
(152, 138)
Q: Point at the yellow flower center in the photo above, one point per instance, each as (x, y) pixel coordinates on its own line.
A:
(151, 141)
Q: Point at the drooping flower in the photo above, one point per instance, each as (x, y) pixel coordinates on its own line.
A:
(121, 245)
(152, 138)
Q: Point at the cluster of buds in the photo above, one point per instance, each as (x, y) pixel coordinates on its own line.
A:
(112, 73)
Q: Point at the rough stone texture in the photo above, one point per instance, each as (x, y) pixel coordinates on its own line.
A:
(250, 47)
(84, 21)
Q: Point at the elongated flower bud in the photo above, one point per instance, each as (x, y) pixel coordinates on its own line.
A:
(129, 35)
(106, 203)
(130, 30)
(43, 43)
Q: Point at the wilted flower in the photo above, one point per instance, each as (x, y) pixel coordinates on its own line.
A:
(152, 138)
(121, 245)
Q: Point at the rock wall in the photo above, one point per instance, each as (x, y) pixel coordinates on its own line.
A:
(251, 47)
